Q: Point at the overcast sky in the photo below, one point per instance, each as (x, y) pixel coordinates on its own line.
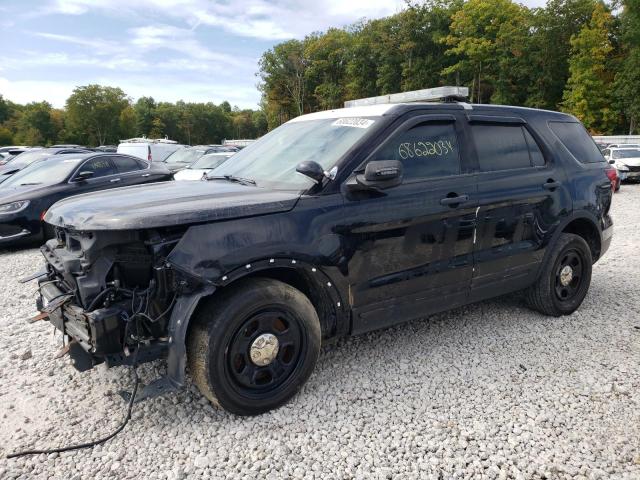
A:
(194, 50)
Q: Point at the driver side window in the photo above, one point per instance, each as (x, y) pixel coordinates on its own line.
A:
(426, 150)
(100, 166)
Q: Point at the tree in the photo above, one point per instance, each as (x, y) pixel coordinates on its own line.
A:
(5, 109)
(94, 111)
(488, 37)
(327, 55)
(282, 72)
(127, 123)
(145, 109)
(548, 49)
(588, 91)
(627, 81)
(6, 137)
(36, 126)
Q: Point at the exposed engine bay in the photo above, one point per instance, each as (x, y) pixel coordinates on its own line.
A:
(112, 292)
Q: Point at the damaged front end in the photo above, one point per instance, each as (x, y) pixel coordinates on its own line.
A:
(117, 301)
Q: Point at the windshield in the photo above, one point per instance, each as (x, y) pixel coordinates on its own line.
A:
(27, 158)
(627, 153)
(272, 160)
(43, 173)
(185, 156)
(211, 160)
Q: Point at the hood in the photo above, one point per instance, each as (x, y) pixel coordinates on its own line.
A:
(24, 192)
(191, 174)
(166, 204)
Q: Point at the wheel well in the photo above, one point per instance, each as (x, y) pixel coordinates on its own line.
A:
(314, 291)
(587, 230)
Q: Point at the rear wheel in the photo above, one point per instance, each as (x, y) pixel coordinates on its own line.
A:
(565, 278)
(251, 348)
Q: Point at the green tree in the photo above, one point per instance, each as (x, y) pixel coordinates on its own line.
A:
(327, 55)
(35, 125)
(283, 81)
(6, 137)
(93, 111)
(549, 47)
(627, 80)
(488, 37)
(145, 109)
(588, 92)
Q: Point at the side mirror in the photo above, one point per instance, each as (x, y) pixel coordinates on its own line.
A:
(84, 175)
(378, 175)
(311, 169)
(612, 161)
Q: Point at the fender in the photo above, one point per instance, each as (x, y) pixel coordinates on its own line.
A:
(560, 228)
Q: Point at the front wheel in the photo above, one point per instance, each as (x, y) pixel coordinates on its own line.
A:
(252, 347)
(565, 278)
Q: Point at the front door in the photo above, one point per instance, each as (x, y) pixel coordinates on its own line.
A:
(413, 244)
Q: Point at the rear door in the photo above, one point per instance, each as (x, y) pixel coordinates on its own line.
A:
(522, 195)
(133, 171)
(412, 244)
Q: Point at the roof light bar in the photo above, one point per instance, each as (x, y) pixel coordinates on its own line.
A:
(438, 94)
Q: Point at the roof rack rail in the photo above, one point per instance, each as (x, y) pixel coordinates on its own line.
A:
(438, 94)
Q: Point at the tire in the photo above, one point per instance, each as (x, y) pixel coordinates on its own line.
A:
(550, 295)
(232, 337)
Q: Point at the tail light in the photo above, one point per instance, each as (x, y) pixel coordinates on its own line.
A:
(42, 215)
(612, 175)
(149, 154)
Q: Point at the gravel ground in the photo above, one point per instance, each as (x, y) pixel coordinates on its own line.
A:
(492, 390)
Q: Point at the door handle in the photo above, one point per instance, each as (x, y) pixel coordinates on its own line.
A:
(146, 174)
(115, 180)
(551, 185)
(454, 201)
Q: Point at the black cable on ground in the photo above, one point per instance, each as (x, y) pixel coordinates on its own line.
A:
(92, 443)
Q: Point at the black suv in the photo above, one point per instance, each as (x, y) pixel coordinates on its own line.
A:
(335, 223)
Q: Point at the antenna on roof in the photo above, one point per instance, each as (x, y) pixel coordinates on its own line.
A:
(438, 94)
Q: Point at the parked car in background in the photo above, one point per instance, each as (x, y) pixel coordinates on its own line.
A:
(202, 166)
(67, 145)
(7, 153)
(27, 158)
(626, 160)
(187, 156)
(26, 196)
(13, 147)
(624, 145)
(106, 148)
(152, 150)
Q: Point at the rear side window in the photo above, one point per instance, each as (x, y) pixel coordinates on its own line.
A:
(126, 164)
(504, 147)
(578, 141)
(427, 150)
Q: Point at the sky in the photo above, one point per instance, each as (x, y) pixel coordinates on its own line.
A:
(191, 50)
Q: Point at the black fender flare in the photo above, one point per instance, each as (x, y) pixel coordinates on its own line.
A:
(186, 305)
(580, 215)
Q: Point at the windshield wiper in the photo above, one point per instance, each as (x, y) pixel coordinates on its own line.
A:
(32, 183)
(232, 178)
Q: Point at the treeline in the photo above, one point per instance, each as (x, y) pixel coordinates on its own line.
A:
(578, 56)
(99, 115)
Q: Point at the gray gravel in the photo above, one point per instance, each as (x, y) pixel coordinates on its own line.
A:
(491, 390)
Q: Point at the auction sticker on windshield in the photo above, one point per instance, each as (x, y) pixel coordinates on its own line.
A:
(353, 122)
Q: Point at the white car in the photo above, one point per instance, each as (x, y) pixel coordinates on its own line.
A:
(626, 160)
(202, 166)
(152, 150)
